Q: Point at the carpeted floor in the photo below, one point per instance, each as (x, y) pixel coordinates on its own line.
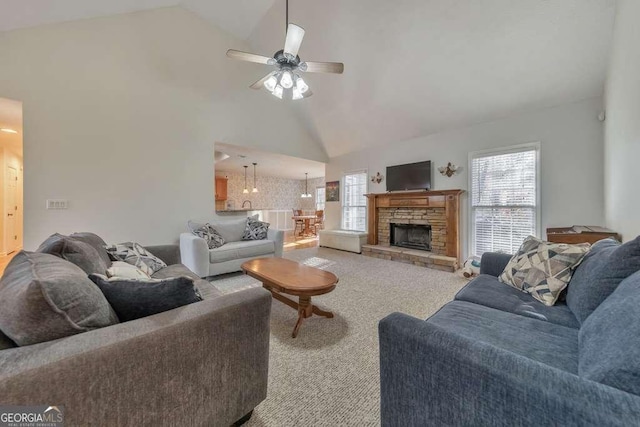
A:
(328, 375)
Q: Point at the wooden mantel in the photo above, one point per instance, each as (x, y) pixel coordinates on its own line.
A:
(449, 200)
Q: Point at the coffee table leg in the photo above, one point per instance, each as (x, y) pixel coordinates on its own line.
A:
(305, 309)
(320, 312)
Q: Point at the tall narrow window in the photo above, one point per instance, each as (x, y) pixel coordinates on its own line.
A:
(320, 198)
(354, 202)
(504, 198)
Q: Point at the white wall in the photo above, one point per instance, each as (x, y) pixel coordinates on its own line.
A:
(571, 139)
(120, 118)
(622, 129)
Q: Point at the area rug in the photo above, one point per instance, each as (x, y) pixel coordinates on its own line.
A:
(329, 374)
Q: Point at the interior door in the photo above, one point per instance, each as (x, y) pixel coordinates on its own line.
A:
(12, 210)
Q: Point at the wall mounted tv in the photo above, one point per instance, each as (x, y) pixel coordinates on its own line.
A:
(414, 176)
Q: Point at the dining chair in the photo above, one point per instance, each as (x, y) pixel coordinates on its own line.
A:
(297, 223)
(318, 222)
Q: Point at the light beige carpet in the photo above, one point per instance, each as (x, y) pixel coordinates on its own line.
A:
(329, 374)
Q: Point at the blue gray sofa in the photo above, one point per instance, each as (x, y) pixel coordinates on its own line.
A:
(496, 357)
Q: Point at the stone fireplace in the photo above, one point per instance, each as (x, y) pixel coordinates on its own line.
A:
(412, 236)
(420, 228)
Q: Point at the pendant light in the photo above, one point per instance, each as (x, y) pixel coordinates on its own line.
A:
(255, 188)
(245, 191)
(306, 194)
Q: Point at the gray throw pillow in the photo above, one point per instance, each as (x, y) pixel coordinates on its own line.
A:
(135, 254)
(95, 241)
(75, 251)
(132, 299)
(255, 229)
(43, 298)
(207, 232)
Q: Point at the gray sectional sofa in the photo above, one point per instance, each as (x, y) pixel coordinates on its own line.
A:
(228, 258)
(496, 357)
(201, 364)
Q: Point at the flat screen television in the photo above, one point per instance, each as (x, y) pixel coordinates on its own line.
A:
(413, 176)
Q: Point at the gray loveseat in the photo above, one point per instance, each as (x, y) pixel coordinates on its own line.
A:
(229, 257)
(497, 357)
(201, 364)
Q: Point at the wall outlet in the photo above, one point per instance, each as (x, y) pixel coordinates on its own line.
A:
(57, 204)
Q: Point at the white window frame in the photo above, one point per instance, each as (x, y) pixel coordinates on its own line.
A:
(343, 199)
(323, 202)
(494, 152)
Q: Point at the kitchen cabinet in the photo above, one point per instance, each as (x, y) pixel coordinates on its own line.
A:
(221, 188)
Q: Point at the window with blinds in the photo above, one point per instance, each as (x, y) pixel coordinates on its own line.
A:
(320, 198)
(504, 199)
(354, 202)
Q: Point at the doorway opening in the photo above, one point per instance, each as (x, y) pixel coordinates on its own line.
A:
(11, 180)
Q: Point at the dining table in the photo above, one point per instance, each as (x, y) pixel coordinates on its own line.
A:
(307, 230)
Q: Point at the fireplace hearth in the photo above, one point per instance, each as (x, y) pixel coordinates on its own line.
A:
(412, 236)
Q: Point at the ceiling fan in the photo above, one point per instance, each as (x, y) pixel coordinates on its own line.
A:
(286, 77)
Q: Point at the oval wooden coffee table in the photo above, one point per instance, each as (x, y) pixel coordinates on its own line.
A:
(282, 276)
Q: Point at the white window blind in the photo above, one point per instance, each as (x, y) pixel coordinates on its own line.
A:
(504, 199)
(320, 198)
(354, 205)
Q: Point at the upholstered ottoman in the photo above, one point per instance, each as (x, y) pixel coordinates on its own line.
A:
(344, 240)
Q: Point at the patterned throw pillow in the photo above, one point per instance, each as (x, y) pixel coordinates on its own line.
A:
(255, 229)
(543, 269)
(134, 254)
(125, 270)
(208, 233)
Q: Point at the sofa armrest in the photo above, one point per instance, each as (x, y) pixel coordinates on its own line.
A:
(170, 254)
(493, 263)
(431, 376)
(278, 238)
(194, 253)
(201, 364)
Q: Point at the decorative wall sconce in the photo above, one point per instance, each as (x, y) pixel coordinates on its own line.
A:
(448, 170)
(377, 178)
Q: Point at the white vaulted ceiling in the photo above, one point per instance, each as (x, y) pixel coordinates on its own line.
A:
(412, 67)
(416, 67)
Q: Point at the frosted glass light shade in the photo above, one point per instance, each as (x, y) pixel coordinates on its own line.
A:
(301, 85)
(278, 92)
(286, 80)
(270, 83)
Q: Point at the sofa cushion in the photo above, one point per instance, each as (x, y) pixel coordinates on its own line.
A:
(601, 271)
(544, 342)
(135, 254)
(132, 298)
(230, 230)
(610, 339)
(75, 251)
(43, 298)
(206, 289)
(489, 291)
(243, 249)
(543, 269)
(96, 241)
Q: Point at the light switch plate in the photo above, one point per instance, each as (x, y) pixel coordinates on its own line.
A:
(57, 204)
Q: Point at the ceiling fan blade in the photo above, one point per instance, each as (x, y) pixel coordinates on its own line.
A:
(249, 57)
(295, 34)
(260, 83)
(307, 94)
(324, 67)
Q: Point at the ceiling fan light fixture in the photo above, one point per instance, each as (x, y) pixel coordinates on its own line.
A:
(301, 85)
(271, 83)
(296, 94)
(286, 80)
(278, 91)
